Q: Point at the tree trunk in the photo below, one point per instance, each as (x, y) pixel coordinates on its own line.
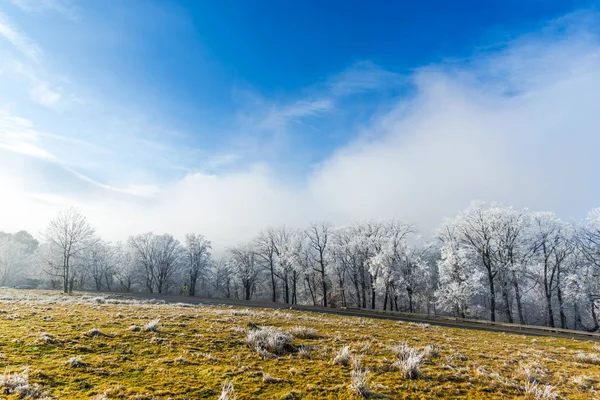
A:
(561, 305)
(519, 300)
(549, 309)
(310, 289)
(507, 308)
(273, 285)
(357, 289)
(576, 317)
(247, 291)
(373, 295)
(193, 281)
(66, 275)
(594, 315)
(324, 284)
(492, 294)
(342, 291)
(294, 286)
(286, 287)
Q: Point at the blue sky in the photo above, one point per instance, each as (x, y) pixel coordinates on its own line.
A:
(270, 112)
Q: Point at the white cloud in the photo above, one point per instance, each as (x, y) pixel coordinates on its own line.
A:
(517, 126)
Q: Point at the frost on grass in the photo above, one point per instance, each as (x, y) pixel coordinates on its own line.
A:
(533, 372)
(46, 337)
(227, 391)
(582, 381)
(302, 332)
(343, 356)
(207, 356)
(305, 351)
(409, 360)
(360, 380)
(152, 326)
(269, 341)
(75, 362)
(588, 358)
(94, 333)
(180, 360)
(430, 351)
(421, 325)
(242, 313)
(536, 392)
(18, 384)
(267, 378)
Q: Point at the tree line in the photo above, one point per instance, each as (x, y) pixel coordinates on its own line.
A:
(488, 262)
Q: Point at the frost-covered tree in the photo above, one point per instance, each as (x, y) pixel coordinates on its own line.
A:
(68, 236)
(265, 250)
(16, 251)
(474, 230)
(551, 241)
(287, 245)
(589, 237)
(197, 258)
(318, 241)
(460, 279)
(160, 256)
(101, 260)
(243, 261)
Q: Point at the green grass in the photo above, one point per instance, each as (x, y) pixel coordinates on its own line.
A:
(196, 349)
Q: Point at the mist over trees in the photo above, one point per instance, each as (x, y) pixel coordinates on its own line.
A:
(488, 262)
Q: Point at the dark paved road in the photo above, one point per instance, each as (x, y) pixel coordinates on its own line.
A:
(439, 321)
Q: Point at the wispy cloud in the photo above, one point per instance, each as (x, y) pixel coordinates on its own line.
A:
(19, 136)
(63, 7)
(363, 77)
(39, 90)
(279, 117)
(19, 40)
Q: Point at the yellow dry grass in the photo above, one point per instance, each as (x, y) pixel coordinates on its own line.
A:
(78, 347)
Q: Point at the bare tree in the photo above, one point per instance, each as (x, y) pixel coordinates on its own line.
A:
(13, 257)
(266, 252)
(318, 240)
(102, 259)
(243, 261)
(143, 249)
(70, 234)
(167, 257)
(197, 254)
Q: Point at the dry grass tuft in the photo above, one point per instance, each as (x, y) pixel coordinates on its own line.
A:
(18, 384)
(588, 358)
(533, 372)
(343, 356)
(266, 378)
(305, 351)
(409, 360)
(302, 332)
(269, 341)
(152, 326)
(360, 380)
(536, 392)
(94, 333)
(75, 362)
(227, 391)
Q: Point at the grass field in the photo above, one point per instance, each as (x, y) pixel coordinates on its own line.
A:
(84, 347)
